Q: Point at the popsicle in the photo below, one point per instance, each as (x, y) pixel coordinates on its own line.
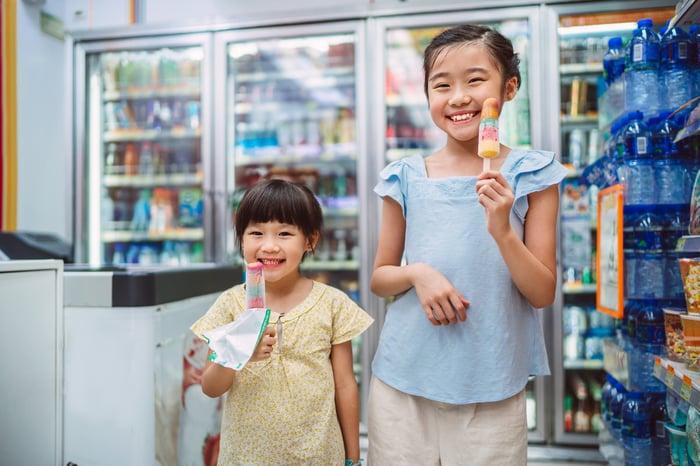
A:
(489, 147)
(254, 286)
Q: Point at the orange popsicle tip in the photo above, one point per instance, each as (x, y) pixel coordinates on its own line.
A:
(489, 109)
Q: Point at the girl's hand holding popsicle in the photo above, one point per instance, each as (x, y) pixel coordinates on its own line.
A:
(489, 146)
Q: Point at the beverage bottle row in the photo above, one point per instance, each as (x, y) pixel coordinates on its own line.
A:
(309, 134)
(149, 158)
(636, 421)
(167, 252)
(175, 113)
(156, 211)
(141, 70)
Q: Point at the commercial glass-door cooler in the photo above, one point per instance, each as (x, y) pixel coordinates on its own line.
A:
(290, 99)
(141, 143)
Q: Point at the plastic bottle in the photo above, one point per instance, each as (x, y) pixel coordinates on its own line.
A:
(640, 184)
(119, 255)
(674, 71)
(112, 162)
(675, 221)
(694, 33)
(106, 210)
(636, 430)
(648, 247)
(614, 67)
(661, 453)
(642, 72)
(670, 173)
(131, 160)
(146, 159)
(650, 341)
(617, 400)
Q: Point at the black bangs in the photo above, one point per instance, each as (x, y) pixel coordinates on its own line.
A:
(281, 201)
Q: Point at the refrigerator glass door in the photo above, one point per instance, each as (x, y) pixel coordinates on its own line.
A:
(291, 112)
(408, 128)
(141, 170)
(584, 126)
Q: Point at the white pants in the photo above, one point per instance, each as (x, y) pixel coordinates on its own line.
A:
(407, 430)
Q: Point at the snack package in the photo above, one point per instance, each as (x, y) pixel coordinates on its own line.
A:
(690, 273)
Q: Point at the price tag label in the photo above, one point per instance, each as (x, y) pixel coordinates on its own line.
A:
(658, 368)
(686, 388)
(670, 375)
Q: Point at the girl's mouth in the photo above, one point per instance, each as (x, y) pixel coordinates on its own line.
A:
(271, 261)
(461, 116)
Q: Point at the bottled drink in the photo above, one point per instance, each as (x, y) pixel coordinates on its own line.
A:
(614, 67)
(146, 159)
(106, 210)
(119, 255)
(617, 400)
(694, 33)
(614, 60)
(650, 338)
(637, 155)
(669, 170)
(606, 393)
(674, 71)
(641, 75)
(636, 430)
(112, 160)
(675, 220)
(661, 454)
(649, 264)
(131, 159)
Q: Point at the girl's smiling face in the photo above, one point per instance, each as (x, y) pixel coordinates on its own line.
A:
(280, 247)
(461, 78)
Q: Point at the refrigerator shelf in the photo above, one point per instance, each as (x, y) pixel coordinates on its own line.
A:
(588, 119)
(349, 265)
(146, 181)
(585, 364)
(581, 68)
(336, 154)
(180, 234)
(579, 288)
(138, 135)
(679, 379)
(180, 92)
(310, 77)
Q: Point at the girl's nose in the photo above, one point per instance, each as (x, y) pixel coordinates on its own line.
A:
(459, 98)
(270, 245)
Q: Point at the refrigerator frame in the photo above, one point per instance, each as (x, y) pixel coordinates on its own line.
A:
(81, 139)
(551, 14)
(379, 27)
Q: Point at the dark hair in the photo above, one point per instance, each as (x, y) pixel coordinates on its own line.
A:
(281, 201)
(498, 46)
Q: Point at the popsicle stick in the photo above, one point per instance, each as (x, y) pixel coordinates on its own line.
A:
(487, 164)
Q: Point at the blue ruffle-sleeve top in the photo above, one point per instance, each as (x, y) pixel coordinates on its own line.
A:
(490, 356)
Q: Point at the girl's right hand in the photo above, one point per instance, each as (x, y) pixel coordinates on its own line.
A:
(264, 349)
(442, 303)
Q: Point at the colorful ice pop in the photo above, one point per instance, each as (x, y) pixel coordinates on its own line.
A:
(254, 286)
(489, 147)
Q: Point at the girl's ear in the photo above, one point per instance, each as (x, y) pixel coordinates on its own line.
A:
(511, 88)
(312, 240)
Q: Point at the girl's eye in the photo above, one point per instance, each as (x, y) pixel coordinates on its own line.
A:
(441, 86)
(286, 233)
(475, 80)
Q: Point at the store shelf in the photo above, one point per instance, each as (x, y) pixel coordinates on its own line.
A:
(190, 91)
(581, 68)
(145, 181)
(349, 265)
(579, 288)
(585, 364)
(679, 379)
(180, 234)
(136, 135)
(688, 12)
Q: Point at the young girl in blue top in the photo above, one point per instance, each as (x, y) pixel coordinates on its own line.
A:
(469, 256)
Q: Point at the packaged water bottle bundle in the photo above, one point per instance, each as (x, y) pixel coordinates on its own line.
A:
(233, 344)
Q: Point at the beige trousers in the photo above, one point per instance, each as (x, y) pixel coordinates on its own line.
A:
(407, 430)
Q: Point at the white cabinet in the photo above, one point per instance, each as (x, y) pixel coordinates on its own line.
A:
(31, 392)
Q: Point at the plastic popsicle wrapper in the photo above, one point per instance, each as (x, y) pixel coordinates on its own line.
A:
(489, 146)
(254, 286)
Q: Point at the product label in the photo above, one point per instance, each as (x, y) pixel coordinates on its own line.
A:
(633, 428)
(641, 145)
(650, 332)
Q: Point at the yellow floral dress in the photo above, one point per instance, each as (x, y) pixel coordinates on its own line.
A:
(282, 411)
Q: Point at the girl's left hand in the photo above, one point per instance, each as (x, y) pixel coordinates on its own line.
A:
(497, 197)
